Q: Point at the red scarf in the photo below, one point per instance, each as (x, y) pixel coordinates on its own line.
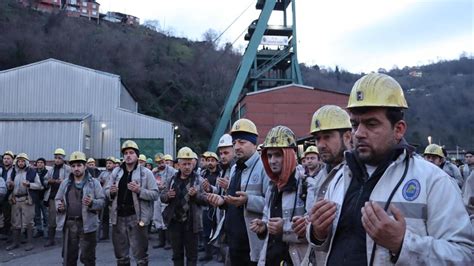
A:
(289, 165)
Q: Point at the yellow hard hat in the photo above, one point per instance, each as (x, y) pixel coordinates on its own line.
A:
(225, 141)
(78, 156)
(185, 153)
(23, 156)
(59, 151)
(142, 157)
(311, 149)
(211, 154)
(168, 157)
(434, 149)
(110, 158)
(329, 117)
(377, 90)
(9, 153)
(91, 160)
(117, 160)
(244, 125)
(195, 156)
(130, 144)
(280, 137)
(159, 157)
(205, 154)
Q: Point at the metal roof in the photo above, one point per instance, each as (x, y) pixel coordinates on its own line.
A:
(73, 65)
(43, 116)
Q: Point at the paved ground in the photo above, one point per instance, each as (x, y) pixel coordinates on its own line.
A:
(52, 256)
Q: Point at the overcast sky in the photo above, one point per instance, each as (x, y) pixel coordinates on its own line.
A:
(357, 35)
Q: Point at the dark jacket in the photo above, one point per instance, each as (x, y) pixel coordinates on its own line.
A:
(195, 202)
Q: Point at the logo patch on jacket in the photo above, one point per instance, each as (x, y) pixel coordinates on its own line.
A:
(254, 179)
(300, 202)
(411, 190)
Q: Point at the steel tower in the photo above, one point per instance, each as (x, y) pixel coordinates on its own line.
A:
(270, 59)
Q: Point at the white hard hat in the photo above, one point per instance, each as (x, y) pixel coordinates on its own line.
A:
(225, 141)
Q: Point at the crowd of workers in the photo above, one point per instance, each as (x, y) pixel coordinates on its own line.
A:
(360, 196)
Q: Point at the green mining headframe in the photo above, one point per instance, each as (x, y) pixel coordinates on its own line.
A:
(270, 60)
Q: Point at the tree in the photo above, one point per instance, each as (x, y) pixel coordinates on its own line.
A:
(338, 74)
(211, 37)
(153, 24)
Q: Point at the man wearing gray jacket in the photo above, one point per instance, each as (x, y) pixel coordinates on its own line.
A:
(23, 210)
(104, 215)
(245, 197)
(132, 190)
(79, 200)
(59, 172)
(467, 168)
(183, 215)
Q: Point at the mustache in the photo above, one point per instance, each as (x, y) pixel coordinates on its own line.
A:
(362, 143)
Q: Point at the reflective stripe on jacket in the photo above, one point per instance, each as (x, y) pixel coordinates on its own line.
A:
(429, 200)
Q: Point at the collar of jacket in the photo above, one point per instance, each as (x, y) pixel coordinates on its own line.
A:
(87, 178)
(40, 171)
(251, 161)
(359, 170)
(124, 167)
(225, 167)
(336, 168)
(18, 169)
(190, 177)
(442, 165)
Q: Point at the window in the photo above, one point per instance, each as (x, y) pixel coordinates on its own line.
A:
(84, 3)
(87, 145)
(243, 110)
(94, 6)
(84, 10)
(94, 13)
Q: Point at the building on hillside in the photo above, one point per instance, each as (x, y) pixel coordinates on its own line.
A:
(81, 8)
(89, 9)
(416, 74)
(51, 104)
(290, 105)
(118, 17)
(74, 8)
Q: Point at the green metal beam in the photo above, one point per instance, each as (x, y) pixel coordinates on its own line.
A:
(299, 78)
(239, 81)
(255, 64)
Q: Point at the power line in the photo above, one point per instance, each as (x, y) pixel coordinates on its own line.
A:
(232, 23)
(240, 35)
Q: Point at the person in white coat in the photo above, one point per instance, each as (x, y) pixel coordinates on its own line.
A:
(284, 201)
(435, 155)
(389, 206)
(331, 128)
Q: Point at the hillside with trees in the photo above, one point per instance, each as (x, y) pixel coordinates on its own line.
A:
(187, 82)
(440, 97)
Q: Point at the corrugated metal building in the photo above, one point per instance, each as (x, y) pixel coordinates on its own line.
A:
(52, 104)
(290, 105)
